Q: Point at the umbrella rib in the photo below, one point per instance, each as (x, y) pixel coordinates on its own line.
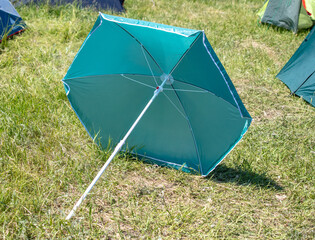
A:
(140, 45)
(165, 89)
(186, 90)
(117, 149)
(131, 79)
(227, 84)
(225, 80)
(102, 75)
(175, 106)
(123, 75)
(205, 91)
(191, 130)
(142, 48)
(185, 53)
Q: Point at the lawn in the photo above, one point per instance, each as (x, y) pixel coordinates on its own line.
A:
(264, 189)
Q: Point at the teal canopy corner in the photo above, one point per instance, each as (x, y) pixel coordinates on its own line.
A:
(299, 72)
(196, 120)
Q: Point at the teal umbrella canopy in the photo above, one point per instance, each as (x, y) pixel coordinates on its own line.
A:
(197, 118)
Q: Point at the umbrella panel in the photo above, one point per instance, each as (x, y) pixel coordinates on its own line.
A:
(186, 126)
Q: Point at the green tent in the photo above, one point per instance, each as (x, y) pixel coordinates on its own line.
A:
(309, 5)
(299, 73)
(289, 14)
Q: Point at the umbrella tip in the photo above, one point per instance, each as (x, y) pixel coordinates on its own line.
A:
(70, 215)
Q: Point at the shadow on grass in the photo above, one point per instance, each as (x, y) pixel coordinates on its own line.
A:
(281, 30)
(223, 173)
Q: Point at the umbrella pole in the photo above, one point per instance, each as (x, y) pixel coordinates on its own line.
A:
(117, 148)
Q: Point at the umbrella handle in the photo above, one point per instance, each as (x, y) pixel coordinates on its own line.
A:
(117, 148)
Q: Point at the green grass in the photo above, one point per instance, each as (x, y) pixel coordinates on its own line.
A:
(264, 189)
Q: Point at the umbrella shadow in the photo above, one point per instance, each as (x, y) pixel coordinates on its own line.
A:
(223, 174)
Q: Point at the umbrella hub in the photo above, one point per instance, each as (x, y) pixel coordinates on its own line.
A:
(169, 78)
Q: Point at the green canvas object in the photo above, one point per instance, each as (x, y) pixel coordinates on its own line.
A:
(299, 72)
(305, 20)
(310, 7)
(195, 121)
(288, 14)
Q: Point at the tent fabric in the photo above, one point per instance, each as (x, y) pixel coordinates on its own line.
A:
(192, 125)
(299, 72)
(114, 5)
(309, 5)
(288, 14)
(305, 20)
(10, 21)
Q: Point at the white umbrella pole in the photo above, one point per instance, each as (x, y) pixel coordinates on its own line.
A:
(117, 149)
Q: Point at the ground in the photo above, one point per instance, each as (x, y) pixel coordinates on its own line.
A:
(264, 189)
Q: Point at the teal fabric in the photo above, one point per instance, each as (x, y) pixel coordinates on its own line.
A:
(288, 14)
(192, 125)
(299, 72)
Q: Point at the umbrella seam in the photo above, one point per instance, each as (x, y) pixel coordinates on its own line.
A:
(303, 82)
(142, 48)
(184, 54)
(80, 118)
(186, 90)
(191, 130)
(204, 91)
(133, 80)
(175, 105)
(67, 92)
(100, 75)
(207, 91)
(160, 160)
(203, 34)
(245, 128)
(221, 74)
(116, 21)
(87, 38)
(190, 126)
(167, 89)
(141, 45)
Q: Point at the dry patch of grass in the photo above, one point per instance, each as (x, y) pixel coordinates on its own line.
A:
(264, 49)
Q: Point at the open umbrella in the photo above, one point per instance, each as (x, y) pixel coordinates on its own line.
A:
(121, 68)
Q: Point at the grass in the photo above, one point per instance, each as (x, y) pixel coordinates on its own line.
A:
(264, 189)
